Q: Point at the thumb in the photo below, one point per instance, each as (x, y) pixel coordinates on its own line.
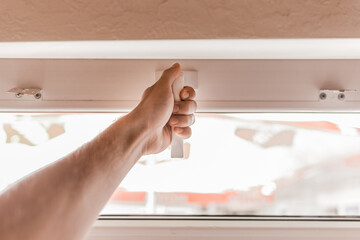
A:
(170, 74)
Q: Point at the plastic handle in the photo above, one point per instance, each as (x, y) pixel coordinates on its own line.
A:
(177, 143)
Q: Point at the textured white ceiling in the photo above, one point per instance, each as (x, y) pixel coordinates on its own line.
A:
(38, 20)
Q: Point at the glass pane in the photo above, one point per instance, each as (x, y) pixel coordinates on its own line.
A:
(235, 164)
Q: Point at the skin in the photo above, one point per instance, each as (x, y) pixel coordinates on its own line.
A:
(62, 200)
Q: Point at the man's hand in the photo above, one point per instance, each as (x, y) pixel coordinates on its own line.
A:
(159, 112)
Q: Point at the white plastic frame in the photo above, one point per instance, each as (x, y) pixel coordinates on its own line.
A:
(234, 76)
(342, 48)
(227, 228)
(98, 85)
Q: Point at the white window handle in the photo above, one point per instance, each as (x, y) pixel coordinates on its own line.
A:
(177, 143)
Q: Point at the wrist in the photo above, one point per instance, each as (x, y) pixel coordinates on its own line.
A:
(138, 130)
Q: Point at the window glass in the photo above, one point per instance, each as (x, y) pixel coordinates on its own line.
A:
(235, 164)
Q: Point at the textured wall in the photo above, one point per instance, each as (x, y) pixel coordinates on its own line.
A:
(34, 20)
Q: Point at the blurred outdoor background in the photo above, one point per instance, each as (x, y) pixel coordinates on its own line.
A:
(235, 164)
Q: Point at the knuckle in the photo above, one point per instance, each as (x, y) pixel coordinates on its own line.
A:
(191, 119)
(182, 120)
(191, 91)
(185, 121)
(193, 106)
(186, 107)
(164, 75)
(147, 91)
(167, 72)
(188, 132)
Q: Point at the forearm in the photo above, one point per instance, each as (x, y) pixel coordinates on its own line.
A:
(62, 200)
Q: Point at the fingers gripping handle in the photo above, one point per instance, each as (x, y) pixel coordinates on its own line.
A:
(177, 143)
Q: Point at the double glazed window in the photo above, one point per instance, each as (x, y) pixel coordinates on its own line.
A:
(235, 164)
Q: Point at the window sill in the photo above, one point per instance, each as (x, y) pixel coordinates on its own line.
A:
(140, 227)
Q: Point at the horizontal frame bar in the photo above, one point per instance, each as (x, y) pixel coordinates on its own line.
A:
(348, 48)
(179, 228)
(204, 106)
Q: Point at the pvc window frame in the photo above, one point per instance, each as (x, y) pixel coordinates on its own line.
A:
(45, 65)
